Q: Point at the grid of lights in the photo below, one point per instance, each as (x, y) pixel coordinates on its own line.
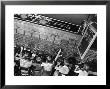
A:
(49, 22)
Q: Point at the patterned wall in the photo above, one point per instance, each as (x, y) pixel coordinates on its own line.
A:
(45, 38)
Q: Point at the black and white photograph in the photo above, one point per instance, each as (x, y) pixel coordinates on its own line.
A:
(55, 44)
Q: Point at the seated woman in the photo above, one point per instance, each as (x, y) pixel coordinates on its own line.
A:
(37, 67)
(72, 63)
(62, 70)
(93, 69)
(82, 71)
(17, 68)
(65, 68)
(17, 64)
(57, 68)
(25, 64)
(47, 66)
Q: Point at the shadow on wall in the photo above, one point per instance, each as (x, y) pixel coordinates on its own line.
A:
(72, 18)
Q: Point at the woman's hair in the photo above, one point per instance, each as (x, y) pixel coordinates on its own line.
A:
(44, 59)
(72, 60)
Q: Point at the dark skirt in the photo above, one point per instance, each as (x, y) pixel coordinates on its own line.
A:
(46, 73)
